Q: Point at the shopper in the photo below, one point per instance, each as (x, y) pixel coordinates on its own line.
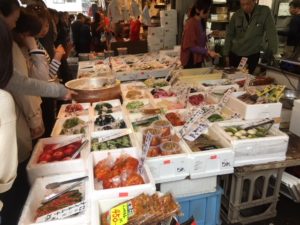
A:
(8, 140)
(193, 46)
(293, 33)
(135, 27)
(97, 29)
(75, 27)
(146, 18)
(246, 32)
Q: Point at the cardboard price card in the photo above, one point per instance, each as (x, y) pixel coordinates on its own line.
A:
(64, 213)
(119, 215)
(202, 127)
(190, 122)
(243, 63)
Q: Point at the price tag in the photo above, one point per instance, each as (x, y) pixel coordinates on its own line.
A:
(226, 97)
(196, 119)
(119, 215)
(243, 63)
(247, 82)
(145, 149)
(111, 136)
(202, 127)
(63, 213)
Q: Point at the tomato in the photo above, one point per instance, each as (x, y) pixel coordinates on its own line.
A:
(133, 179)
(45, 157)
(69, 151)
(49, 147)
(58, 155)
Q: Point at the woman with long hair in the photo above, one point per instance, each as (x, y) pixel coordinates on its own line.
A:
(193, 46)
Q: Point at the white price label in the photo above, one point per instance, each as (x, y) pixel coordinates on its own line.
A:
(111, 136)
(145, 149)
(226, 97)
(63, 213)
(243, 63)
(247, 82)
(199, 117)
(202, 127)
(174, 77)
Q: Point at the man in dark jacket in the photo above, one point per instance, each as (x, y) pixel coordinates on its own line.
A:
(76, 27)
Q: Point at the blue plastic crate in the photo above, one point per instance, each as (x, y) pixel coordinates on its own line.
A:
(205, 208)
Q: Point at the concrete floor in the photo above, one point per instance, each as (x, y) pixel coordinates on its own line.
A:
(288, 213)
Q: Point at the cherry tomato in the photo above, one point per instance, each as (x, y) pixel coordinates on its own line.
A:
(69, 151)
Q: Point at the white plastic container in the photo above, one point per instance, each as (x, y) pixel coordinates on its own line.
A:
(169, 167)
(36, 170)
(99, 193)
(105, 133)
(37, 194)
(190, 187)
(114, 103)
(58, 126)
(255, 111)
(211, 162)
(257, 150)
(85, 112)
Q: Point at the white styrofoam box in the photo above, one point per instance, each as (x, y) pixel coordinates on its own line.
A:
(188, 187)
(168, 14)
(157, 32)
(167, 168)
(255, 111)
(58, 126)
(114, 103)
(99, 134)
(295, 121)
(63, 114)
(217, 85)
(97, 190)
(153, 40)
(211, 162)
(169, 32)
(38, 192)
(257, 150)
(35, 170)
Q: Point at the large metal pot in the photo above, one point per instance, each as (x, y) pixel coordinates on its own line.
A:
(288, 98)
(95, 89)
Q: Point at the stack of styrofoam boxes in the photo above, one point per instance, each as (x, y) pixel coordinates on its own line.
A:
(168, 21)
(155, 39)
(295, 122)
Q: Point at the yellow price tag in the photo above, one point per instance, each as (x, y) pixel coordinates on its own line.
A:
(119, 214)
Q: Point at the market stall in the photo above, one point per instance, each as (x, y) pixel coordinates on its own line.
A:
(174, 134)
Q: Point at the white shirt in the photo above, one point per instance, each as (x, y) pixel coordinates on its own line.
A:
(8, 142)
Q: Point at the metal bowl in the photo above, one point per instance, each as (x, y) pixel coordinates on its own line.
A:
(288, 98)
(95, 89)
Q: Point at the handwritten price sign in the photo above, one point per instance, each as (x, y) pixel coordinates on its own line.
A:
(119, 215)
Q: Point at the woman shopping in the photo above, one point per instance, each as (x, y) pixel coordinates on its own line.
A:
(193, 46)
